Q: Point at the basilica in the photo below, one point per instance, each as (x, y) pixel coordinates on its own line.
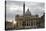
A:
(27, 21)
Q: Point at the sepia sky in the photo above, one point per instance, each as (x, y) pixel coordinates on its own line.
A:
(16, 7)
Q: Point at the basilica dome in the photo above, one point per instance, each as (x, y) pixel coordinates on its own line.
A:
(28, 13)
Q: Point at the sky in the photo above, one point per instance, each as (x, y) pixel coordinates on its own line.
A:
(16, 7)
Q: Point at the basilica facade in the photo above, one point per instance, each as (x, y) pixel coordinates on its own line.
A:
(27, 21)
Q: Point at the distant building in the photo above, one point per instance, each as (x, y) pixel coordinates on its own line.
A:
(9, 25)
(27, 21)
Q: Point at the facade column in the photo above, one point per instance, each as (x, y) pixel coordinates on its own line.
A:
(26, 23)
(21, 23)
(30, 23)
(33, 23)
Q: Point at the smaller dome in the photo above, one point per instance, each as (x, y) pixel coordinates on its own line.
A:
(28, 13)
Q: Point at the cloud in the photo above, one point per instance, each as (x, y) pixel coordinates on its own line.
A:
(16, 7)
